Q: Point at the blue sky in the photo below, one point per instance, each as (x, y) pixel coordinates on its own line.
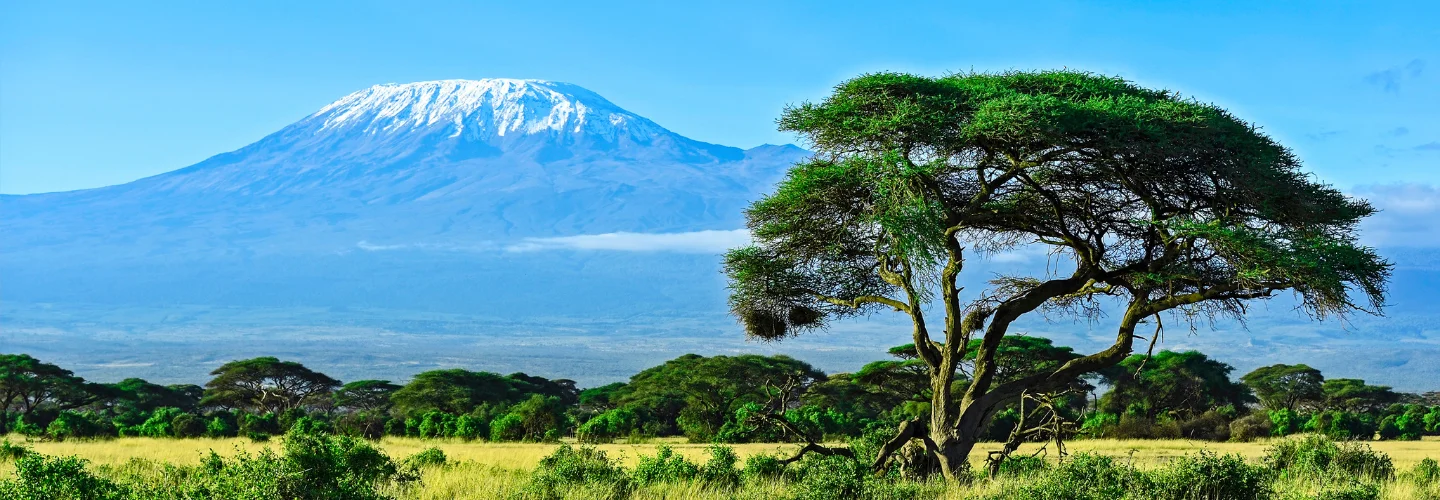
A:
(93, 94)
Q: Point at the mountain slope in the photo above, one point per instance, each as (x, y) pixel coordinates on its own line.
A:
(455, 163)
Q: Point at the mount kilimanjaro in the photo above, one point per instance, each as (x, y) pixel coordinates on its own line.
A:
(415, 195)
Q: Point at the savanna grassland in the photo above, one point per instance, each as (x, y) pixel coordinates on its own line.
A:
(455, 469)
(525, 456)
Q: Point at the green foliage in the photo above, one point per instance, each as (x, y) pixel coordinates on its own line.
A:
(1285, 422)
(1179, 385)
(829, 478)
(1425, 473)
(160, 423)
(1021, 466)
(1341, 425)
(429, 457)
(569, 466)
(665, 466)
(1210, 476)
(1082, 476)
(719, 470)
(607, 426)
(458, 392)
(1286, 387)
(762, 466)
(1256, 425)
(70, 424)
(267, 385)
(365, 395)
(1319, 456)
(186, 425)
(1355, 396)
(38, 477)
(220, 426)
(696, 395)
(11, 451)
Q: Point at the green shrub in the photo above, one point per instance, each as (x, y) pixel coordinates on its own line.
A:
(1317, 455)
(719, 471)
(1209, 476)
(1254, 426)
(257, 437)
(219, 427)
(38, 477)
(832, 477)
(471, 427)
(1285, 422)
(605, 427)
(508, 427)
(1425, 473)
(10, 451)
(69, 424)
(1348, 490)
(569, 466)
(429, 457)
(186, 425)
(1021, 466)
(762, 466)
(665, 467)
(1083, 476)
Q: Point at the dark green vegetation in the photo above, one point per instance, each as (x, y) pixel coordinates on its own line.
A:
(719, 399)
(1154, 203)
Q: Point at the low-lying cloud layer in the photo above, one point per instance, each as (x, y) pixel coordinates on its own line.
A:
(692, 242)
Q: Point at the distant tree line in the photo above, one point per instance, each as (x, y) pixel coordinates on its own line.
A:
(726, 399)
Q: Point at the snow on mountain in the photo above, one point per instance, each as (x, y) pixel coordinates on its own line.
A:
(484, 107)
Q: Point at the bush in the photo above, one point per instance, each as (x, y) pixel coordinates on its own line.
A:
(1210, 476)
(10, 451)
(1317, 456)
(186, 425)
(762, 466)
(1209, 426)
(257, 437)
(1425, 473)
(220, 427)
(665, 467)
(38, 477)
(584, 466)
(1021, 466)
(1285, 422)
(719, 471)
(1082, 477)
(69, 424)
(429, 457)
(831, 477)
(508, 427)
(605, 427)
(1251, 427)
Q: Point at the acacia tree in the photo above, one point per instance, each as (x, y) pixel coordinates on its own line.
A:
(1286, 387)
(1157, 202)
(268, 385)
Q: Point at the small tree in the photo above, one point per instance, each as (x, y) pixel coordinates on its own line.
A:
(1152, 202)
(268, 385)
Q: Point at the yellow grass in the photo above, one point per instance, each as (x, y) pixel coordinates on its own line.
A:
(500, 470)
(525, 456)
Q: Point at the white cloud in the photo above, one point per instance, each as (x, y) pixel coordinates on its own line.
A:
(1409, 215)
(691, 242)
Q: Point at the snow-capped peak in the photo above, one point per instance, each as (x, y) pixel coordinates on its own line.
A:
(488, 107)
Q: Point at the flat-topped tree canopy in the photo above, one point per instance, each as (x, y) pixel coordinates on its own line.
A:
(1159, 201)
